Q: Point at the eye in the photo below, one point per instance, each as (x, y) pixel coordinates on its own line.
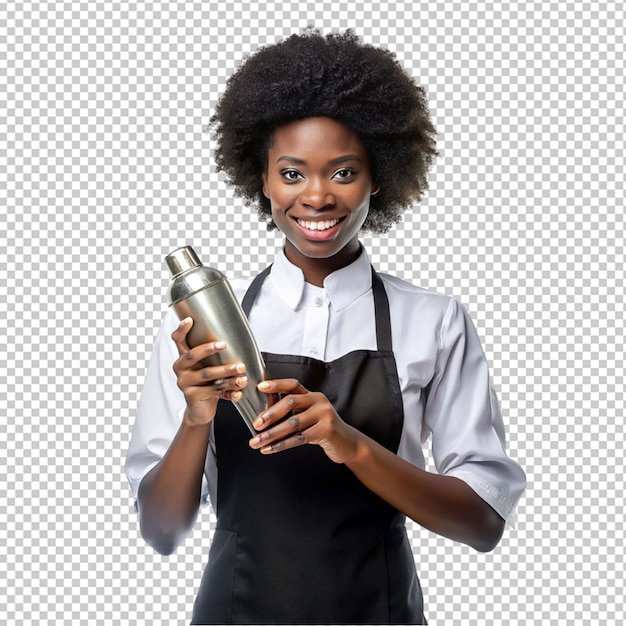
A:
(291, 175)
(345, 173)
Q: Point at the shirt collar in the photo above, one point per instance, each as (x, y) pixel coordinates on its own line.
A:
(342, 287)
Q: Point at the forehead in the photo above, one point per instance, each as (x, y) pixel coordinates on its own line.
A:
(316, 135)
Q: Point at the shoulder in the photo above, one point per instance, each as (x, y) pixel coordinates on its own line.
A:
(424, 310)
(239, 285)
(402, 293)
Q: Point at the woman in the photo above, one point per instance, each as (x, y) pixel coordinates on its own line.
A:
(328, 137)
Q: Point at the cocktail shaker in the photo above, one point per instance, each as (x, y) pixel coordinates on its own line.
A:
(204, 294)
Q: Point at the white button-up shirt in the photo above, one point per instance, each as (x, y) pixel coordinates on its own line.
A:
(435, 345)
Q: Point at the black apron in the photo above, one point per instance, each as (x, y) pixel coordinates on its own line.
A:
(299, 539)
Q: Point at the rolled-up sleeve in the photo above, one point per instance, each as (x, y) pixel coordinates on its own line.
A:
(463, 415)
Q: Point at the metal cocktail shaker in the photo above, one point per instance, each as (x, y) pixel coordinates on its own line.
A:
(204, 294)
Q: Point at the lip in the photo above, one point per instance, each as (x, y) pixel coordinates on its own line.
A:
(322, 229)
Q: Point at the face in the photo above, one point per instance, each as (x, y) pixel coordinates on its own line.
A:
(319, 183)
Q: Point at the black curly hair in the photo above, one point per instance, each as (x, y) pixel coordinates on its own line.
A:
(336, 76)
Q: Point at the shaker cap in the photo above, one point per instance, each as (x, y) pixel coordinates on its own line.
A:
(182, 260)
(188, 274)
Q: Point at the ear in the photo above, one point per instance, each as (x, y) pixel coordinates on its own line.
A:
(265, 190)
(375, 189)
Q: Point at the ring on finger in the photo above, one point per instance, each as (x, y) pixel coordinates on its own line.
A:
(218, 381)
(300, 436)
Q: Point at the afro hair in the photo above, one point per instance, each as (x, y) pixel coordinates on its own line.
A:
(336, 76)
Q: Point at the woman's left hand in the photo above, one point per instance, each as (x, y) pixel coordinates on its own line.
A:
(313, 421)
(444, 504)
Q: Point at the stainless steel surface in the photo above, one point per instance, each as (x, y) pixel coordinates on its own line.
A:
(181, 260)
(188, 274)
(205, 295)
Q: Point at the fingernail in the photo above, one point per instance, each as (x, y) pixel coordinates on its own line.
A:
(240, 367)
(258, 422)
(187, 320)
(242, 380)
(263, 385)
(219, 345)
(255, 441)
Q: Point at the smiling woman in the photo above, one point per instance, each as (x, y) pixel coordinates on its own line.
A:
(329, 137)
(337, 77)
(319, 183)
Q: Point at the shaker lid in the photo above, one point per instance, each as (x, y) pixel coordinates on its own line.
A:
(181, 260)
(188, 274)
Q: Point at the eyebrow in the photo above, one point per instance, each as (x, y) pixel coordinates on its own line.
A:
(342, 159)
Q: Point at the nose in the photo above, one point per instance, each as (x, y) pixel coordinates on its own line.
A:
(317, 195)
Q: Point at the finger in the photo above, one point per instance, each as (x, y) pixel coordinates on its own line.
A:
(280, 431)
(274, 390)
(228, 384)
(216, 374)
(282, 386)
(191, 358)
(220, 387)
(277, 412)
(227, 389)
(203, 384)
(299, 439)
(234, 396)
(179, 336)
(282, 437)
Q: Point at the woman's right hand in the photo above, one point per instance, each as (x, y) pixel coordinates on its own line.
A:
(204, 386)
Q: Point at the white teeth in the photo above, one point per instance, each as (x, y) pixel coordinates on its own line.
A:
(323, 225)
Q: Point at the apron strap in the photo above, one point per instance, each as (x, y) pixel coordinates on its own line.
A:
(253, 290)
(381, 311)
(381, 306)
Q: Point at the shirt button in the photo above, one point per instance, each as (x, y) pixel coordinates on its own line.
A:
(313, 351)
(319, 301)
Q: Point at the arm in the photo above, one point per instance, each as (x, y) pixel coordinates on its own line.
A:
(168, 498)
(442, 504)
(467, 434)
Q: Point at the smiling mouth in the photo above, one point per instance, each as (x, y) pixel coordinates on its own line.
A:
(320, 225)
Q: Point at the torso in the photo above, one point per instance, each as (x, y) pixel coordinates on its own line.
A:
(299, 539)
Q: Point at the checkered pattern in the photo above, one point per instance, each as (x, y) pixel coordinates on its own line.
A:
(105, 167)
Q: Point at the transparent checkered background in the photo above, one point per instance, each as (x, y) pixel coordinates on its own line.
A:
(104, 168)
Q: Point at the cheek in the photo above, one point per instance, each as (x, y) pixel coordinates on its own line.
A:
(360, 195)
(361, 201)
(280, 197)
(278, 208)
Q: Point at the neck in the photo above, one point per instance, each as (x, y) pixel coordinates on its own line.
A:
(316, 270)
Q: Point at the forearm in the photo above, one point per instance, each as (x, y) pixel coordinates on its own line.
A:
(442, 504)
(168, 498)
